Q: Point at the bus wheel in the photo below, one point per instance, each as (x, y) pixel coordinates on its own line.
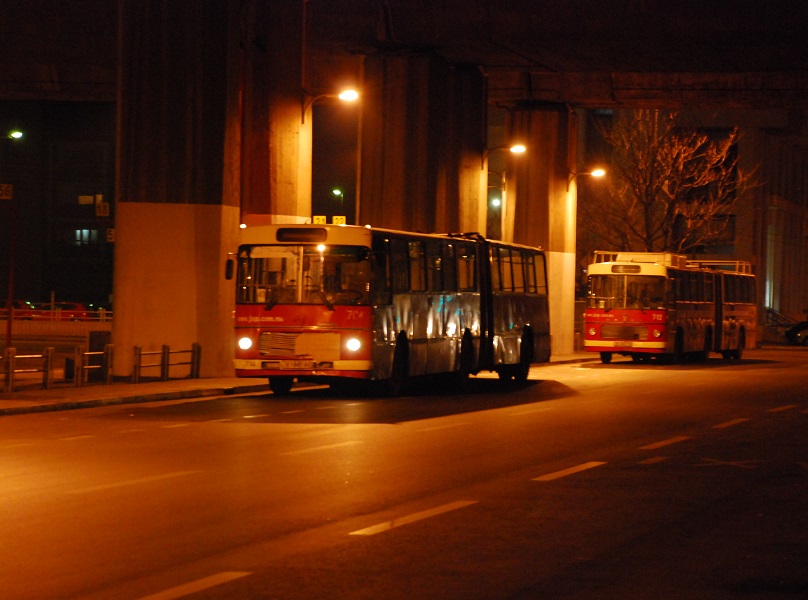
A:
(737, 354)
(522, 370)
(605, 357)
(465, 361)
(394, 385)
(281, 386)
(678, 348)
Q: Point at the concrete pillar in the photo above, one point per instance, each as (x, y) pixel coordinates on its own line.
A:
(422, 135)
(542, 208)
(209, 129)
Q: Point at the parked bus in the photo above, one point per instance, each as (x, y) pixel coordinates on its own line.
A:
(662, 305)
(328, 303)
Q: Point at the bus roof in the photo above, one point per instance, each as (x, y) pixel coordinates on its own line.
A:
(669, 259)
(260, 229)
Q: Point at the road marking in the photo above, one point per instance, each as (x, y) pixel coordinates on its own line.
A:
(530, 411)
(668, 442)
(128, 482)
(439, 427)
(255, 416)
(290, 412)
(319, 448)
(570, 471)
(419, 516)
(76, 437)
(197, 586)
(729, 423)
(653, 460)
(782, 408)
(175, 425)
(741, 464)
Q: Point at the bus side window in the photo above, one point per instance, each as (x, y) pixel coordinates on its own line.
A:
(449, 267)
(466, 268)
(518, 271)
(496, 275)
(434, 263)
(381, 279)
(417, 267)
(400, 265)
(541, 275)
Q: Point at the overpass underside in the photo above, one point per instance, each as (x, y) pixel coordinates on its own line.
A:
(213, 125)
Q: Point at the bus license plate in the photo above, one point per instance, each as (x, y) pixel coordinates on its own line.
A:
(296, 364)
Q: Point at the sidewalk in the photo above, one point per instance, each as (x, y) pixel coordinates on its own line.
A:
(31, 398)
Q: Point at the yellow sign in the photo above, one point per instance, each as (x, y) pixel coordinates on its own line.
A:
(6, 191)
(318, 219)
(338, 220)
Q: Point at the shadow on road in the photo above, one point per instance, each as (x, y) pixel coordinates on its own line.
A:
(319, 405)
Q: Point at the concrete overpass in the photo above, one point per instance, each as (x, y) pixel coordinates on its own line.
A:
(210, 98)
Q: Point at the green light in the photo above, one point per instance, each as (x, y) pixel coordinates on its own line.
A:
(16, 134)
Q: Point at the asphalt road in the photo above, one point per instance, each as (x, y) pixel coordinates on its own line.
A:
(594, 481)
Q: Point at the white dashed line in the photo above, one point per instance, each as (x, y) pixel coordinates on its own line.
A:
(419, 516)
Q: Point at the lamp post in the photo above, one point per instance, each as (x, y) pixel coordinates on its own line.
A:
(7, 193)
(515, 148)
(349, 95)
(594, 173)
(339, 192)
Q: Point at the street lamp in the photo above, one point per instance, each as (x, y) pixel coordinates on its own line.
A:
(515, 148)
(7, 193)
(594, 173)
(348, 95)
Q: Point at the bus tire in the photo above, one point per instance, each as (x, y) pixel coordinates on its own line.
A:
(522, 370)
(605, 357)
(737, 354)
(678, 348)
(465, 361)
(281, 386)
(394, 385)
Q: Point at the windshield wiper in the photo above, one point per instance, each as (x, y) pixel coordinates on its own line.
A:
(325, 299)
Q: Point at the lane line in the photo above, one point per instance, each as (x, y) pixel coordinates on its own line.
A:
(320, 448)
(440, 427)
(255, 416)
(782, 408)
(128, 482)
(668, 442)
(197, 586)
(419, 516)
(653, 460)
(76, 437)
(729, 423)
(570, 471)
(175, 425)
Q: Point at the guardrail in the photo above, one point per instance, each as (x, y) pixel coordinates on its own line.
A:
(165, 363)
(77, 370)
(85, 366)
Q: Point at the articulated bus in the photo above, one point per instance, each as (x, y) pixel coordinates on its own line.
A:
(662, 305)
(336, 303)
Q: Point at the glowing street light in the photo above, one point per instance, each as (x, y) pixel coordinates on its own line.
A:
(6, 193)
(347, 95)
(514, 148)
(593, 173)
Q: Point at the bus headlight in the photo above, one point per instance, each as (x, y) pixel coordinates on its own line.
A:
(591, 332)
(657, 333)
(353, 344)
(245, 343)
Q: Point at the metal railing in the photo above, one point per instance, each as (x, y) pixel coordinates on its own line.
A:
(77, 370)
(166, 354)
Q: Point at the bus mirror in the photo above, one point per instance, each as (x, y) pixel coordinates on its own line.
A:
(228, 269)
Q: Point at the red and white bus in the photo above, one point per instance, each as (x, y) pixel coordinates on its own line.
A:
(663, 305)
(330, 302)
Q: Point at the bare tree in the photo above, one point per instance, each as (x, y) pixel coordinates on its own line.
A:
(669, 188)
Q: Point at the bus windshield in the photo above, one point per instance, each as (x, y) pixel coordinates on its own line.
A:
(626, 291)
(329, 275)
